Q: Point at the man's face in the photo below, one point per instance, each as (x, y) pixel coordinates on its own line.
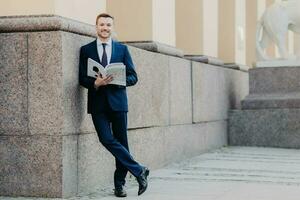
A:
(104, 27)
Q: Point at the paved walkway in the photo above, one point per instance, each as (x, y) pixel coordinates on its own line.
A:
(233, 173)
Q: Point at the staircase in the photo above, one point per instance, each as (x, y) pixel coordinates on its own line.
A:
(270, 114)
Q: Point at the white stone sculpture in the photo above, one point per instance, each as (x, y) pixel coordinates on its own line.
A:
(273, 28)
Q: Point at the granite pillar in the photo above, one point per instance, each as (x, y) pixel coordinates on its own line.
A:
(39, 126)
(34, 134)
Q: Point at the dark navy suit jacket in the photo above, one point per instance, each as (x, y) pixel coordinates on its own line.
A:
(111, 97)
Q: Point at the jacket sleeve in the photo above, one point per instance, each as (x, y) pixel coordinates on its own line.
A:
(84, 80)
(131, 76)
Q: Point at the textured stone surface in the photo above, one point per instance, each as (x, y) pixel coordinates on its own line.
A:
(69, 165)
(31, 166)
(95, 164)
(13, 84)
(180, 96)
(44, 23)
(216, 134)
(265, 127)
(75, 116)
(239, 87)
(184, 141)
(274, 80)
(215, 90)
(148, 100)
(157, 47)
(45, 83)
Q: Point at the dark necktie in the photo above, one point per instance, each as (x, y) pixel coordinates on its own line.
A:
(104, 56)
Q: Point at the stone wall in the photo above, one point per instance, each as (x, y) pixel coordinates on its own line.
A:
(48, 145)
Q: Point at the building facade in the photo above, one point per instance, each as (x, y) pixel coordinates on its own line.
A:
(217, 28)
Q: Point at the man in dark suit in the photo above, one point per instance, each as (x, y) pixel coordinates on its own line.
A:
(107, 103)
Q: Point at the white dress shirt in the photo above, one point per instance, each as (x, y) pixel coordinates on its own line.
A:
(108, 49)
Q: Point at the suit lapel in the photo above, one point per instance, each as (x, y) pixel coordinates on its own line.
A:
(113, 50)
(94, 52)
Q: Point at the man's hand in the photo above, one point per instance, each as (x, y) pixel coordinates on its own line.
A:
(102, 80)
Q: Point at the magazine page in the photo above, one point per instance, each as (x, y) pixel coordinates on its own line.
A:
(94, 67)
(118, 72)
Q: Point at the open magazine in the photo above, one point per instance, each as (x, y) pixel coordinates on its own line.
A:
(116, 70)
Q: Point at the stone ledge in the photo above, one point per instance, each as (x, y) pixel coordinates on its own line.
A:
(216, 62)
(33, 23)
(274, 100)
(236, 66)
(205, 59)
(156, 47)
(277, 63)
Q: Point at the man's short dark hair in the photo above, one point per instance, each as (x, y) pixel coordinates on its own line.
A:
(105, 15)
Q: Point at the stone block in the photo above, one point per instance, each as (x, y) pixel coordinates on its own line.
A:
(210, 100)
(69, 165)
(184, 141)
(75, 116)
(216, 134)
(141, 143)
(148, 100)
(13, 84)
(31, 166)
(95, 164)
(265, 127)
(177, 142)
(215, 90)
(274, 80)
(45, 83)
(238, 87)
(180, 92)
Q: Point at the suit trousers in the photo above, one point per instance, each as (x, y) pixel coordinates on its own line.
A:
(111, 127)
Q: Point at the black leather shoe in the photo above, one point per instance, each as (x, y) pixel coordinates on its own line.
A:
(120, 192)
(142, 180)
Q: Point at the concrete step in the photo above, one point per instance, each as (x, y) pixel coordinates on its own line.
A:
(268, 80)
(271, 101)
(265, 127)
